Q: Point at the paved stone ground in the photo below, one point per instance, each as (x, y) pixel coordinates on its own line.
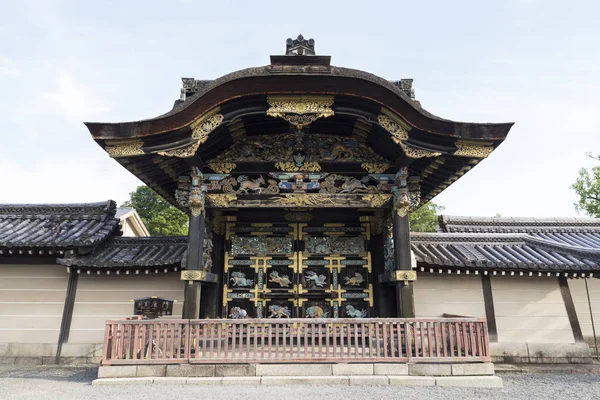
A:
(22, 382)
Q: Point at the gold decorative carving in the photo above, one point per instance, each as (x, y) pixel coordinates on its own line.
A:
(399, 275)
(401, 203)
(124, 148)
(221, 200)
(222, 168)
(413, 152)
(291, 167)
(467, 148)
(303, 199)
(196, 202)
(197, 275)
(376, 200)
(203, 126)
(393, 126)
(290, 149)
(183, 152)
(300, 111)
(298, 217)
(375, 168)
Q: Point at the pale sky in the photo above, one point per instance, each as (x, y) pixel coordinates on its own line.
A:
(532, 62)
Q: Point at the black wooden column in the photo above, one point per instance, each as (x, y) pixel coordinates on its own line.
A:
(191, 305)
(67, 316)
(404, 289)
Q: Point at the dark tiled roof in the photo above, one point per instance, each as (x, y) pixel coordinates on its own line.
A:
(502, 252)
(57, 226)
(450, 223)
(131, 252)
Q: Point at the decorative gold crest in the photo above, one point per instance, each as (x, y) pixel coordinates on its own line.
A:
(300, 110)
(376, 200)
(397, 130)
(219, 200)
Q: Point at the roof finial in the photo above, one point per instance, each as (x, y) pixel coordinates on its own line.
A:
(300, 47)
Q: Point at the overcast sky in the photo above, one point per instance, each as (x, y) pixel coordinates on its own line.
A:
(532, 62)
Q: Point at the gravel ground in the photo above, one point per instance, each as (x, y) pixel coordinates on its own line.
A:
(20, 382)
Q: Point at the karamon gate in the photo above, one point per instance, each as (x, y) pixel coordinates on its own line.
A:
(299, 178)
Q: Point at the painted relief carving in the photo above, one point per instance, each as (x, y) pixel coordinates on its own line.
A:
(334, 245)
(239, 279)
(354, 313)
(283, 280)
(201, 128)
(276, 311)
(250, 245)
(314, 279)
(315, 312)
(238, 313)
(298, 151)
(355, 280)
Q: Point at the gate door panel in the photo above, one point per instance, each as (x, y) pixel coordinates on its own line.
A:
(297, 270)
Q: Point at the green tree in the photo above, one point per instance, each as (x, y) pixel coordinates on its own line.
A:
(425, 219)
(587, 187)
(159, 216)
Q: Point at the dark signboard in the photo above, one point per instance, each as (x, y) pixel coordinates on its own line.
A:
(152, 307)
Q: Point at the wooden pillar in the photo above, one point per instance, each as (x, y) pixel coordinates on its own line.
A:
(212, 293)
(570, 307)
(67, 316)
(192, 291)
(488, 301)
(405, 304)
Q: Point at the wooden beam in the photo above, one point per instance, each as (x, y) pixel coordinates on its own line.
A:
(570, 306)
(490, 312)
(67, 315)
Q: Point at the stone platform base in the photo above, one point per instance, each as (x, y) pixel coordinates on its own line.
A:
(268, 370)
(352, 380)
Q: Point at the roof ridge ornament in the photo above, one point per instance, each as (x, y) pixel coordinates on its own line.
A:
(300, 47)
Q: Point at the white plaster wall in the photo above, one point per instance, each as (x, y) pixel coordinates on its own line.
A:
(32, 299)
(103, 297)
(448, 294)
(578, 292)
(530, 309)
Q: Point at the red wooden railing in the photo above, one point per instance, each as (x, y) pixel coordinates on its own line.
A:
(295, 341)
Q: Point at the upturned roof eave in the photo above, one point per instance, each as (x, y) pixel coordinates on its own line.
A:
(183, 114)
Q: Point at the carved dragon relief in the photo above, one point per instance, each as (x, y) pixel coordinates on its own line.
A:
(295, 152)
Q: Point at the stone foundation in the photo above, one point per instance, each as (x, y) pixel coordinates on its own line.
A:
(305, 370)
(541, 353)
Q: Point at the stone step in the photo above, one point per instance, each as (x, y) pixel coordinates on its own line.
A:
(352, 380)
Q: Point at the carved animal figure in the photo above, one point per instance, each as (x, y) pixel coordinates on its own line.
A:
(353, 185)
(237, 313)
(339, 150)
(228, 184)
(317, 280)
(278, 312)
(239, 279)
(272, 187)
(355, 280)
(250, 185)
(283, 280)
(354, 313)
(315, 312)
